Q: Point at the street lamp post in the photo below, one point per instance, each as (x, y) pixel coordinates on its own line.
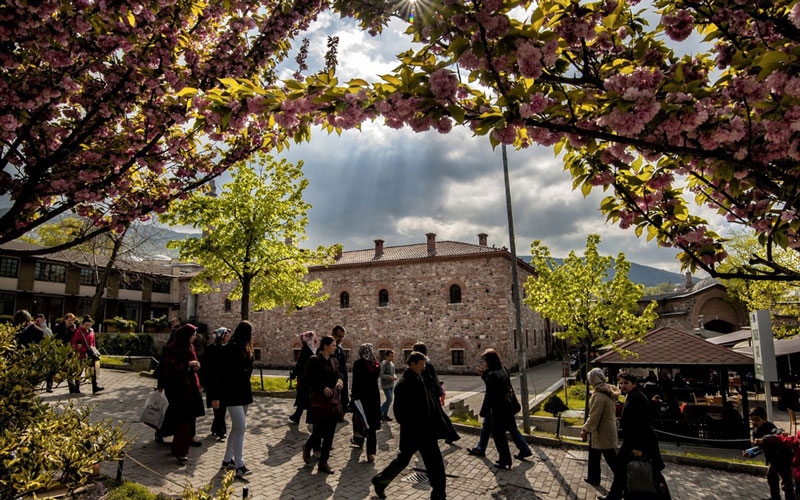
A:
(523, 363)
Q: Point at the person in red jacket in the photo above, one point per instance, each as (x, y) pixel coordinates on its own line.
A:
(82, 339)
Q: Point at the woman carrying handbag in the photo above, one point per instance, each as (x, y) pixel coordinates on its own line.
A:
(83, 341)
(324, 383)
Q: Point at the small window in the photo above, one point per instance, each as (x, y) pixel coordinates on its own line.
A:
(457, 357)
(295, 354)
(455, 294)
(88, 277)
(257, 354)
(161, 284)
(130, 282)
(46, 271)
(406, 354)
(9, 268)
(383, 298)
(228, 305)
(344, 300)
(7, 303)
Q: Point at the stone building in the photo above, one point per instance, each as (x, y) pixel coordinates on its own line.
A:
(456, 297)
(704, 308)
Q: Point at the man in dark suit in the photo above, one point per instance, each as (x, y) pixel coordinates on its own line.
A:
(446, 429)
(414, 411)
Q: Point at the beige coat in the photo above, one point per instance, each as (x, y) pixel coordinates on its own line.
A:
(602, 421)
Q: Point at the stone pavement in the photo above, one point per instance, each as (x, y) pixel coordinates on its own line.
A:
(272, 451)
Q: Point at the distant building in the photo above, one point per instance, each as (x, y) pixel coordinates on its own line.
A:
(455, 297)
(704, 308)
(58, 283)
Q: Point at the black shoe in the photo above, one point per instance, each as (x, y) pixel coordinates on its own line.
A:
(386, 418)
(230, 465)
(97, 389)
(379, 490)
(324, 468)
(307, 458)
(159, 439)
(181, 460)
(476, 452)
(221, 437)
(523, 455)
(294, 420)
(589, 481)
(503, 466)
(243, 471)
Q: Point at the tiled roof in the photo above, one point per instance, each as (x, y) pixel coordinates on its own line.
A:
(669, 346)
(416, 251)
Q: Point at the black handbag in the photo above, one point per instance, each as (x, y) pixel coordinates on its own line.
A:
(641, 478)
(325, 408)
(91, 351)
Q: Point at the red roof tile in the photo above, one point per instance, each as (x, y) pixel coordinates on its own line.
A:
(671, 346)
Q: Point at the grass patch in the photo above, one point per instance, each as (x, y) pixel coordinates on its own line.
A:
(742, 460)
(271, 384)
(465, 420)
(131, 491)
(113, 360)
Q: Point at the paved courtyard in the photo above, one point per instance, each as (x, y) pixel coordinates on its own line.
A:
(272, 451)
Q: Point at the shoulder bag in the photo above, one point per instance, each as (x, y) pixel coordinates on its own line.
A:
(91, 351)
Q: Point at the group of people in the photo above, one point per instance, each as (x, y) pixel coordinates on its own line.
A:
(81, 337)
(224, 374)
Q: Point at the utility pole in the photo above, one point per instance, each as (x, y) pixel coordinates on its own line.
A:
(520, 338)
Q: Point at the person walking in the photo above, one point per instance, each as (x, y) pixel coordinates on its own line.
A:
(415, 411)
(309, 343)
(497, 405)
(210, 377)
(524, 450)
(236, 368)
(338, 333)
(182, 389)
(388, 378)
(366, 372)
(778, 457)
(324, 384)
(639, 439)
(82, 339)
(446, 429)
(601, 425)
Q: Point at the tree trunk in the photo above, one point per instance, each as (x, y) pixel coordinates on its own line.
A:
(103, 281)
(246, 281)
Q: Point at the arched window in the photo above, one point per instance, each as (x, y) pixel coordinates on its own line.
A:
(228, 305)
(455, 294)
(344, 300)
(383, 298)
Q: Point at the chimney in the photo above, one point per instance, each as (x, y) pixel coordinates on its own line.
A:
(431, 243)
(687, 282)
(482, 239)
(339, 252)
(378, 248)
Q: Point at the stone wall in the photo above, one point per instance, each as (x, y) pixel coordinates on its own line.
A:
(418, 310)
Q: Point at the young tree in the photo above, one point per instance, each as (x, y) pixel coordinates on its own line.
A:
(658, 126)
(251, 231)
(782, 299)
(594, 312)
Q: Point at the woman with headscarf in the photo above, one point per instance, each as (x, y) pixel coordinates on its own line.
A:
(639, 439)
(309, 341)
(366, 372)
(182, 388)
(497, 405)
(236, 393)
(601, 425)
(324, 382)
(211, 379)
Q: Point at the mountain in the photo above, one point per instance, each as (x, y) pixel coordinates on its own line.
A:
(644, 275)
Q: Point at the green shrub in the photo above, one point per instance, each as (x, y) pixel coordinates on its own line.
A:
(161, 322)
(130, 491)
(577, 391)
(131, 344)
(122, 324)
(5, 318)
(42, 443)
(554, 405)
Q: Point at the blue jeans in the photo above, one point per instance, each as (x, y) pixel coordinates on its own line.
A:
(235, 449)
(516, 436)
(389, 393)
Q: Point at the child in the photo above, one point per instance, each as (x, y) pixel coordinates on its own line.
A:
(441, 398)
(778, 457)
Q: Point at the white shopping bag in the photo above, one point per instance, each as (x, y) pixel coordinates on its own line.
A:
(154, 409)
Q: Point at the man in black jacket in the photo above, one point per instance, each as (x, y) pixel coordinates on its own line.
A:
(414, 412)
(446, 430)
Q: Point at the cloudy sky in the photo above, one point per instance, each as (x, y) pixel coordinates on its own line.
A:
(397, 185)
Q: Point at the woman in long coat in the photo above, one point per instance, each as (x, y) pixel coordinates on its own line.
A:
(639, 439)
(497, 405)
(210, 377)
(322, 373)
(601, 425)
(309, 341)
(366, 372)
(182, 388)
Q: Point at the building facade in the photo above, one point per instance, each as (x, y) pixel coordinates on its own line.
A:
(456, 297)
(58, 283)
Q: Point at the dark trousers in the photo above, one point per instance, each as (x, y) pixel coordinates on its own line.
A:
(322, 435)
(593, 475)
(218, 427)
(431, 456)
(500, 442)
(781, 475)
(183, 435)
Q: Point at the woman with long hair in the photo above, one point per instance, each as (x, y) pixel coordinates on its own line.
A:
(366, 372)
(497, 405)
(210, 377)
(235, 370)
(309, 341)
(182, 388)
(322, 373)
